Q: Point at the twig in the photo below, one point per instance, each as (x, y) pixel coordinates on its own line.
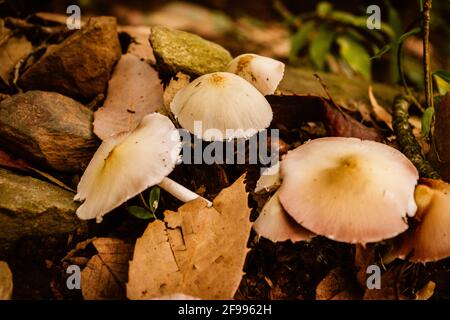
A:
(426, 53)
(408, 143)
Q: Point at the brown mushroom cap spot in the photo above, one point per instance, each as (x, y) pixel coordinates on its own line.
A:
(348, 189)
(429, 240)
(217, 79)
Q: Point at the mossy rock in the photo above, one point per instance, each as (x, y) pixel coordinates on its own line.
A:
(186, 52)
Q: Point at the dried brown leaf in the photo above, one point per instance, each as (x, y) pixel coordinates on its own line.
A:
(180, 81)
(12, 50)
(139, 46)
(337, 285)
(426, 292)
(197, 251)
(340, 124)
(380, 113)
(6, 281)
(133, 92)
(106, 273)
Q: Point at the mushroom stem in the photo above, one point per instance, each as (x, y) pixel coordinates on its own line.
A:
(180, 192)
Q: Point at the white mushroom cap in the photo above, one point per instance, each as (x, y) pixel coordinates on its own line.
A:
(221, 101)
(430, 239)
(275, 224)
(348, 189)
(127, 164)
(262, 72)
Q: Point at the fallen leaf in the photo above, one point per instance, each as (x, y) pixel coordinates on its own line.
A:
(180, 81)
(139, 46)
(106, 273)
(389, 290)
(380, 113)
(426, 292)
(6, 281)
(12, 50)
(133, 92)
(290, 111)
(198, 251)
(337, 285)
(340, 124)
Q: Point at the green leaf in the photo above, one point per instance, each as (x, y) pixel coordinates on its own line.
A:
(323, 8)
(427, 119)
(382, 51)
(442, 79)
(408, 34)
(355, 55)
(300, 39)
(140, 212)
(153, 199)
(444, 75)
(359, 22)
(320, 46)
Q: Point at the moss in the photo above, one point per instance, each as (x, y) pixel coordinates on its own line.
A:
(182, 51)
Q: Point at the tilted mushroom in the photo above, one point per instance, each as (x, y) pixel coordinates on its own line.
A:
(429, 240)
(348, 189)
(127, 164)
(221, 102)
(262, 72)
(276, 225)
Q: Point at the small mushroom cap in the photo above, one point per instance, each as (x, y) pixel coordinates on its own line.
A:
(221, 101)
(429, 240)
(127, 164)
(262, 72)
(276, 225)
(348, 189)
(269, 181)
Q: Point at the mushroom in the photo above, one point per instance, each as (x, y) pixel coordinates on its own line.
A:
(126, 164)
(276, 225)
(224, 105)
(429, 240)
(349, 190)
(262, 72)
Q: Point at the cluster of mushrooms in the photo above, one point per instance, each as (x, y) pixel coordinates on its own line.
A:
(345, 189)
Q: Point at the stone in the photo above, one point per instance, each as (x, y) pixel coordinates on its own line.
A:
(81, 65)
(49, 129)
(30, 207)
(179, 51)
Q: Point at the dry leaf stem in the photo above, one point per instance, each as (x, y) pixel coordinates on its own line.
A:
(426, 53)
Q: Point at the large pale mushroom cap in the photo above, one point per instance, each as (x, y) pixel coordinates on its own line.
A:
(262, 72)
(221, 101)
(348, 189)
(430, 239)
(127, 164)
